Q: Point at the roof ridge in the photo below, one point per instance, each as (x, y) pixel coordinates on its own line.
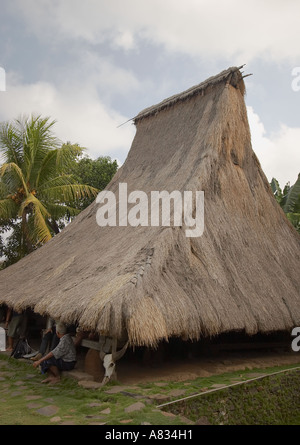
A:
(187, 93)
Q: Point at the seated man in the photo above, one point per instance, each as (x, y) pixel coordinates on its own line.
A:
(61, 358)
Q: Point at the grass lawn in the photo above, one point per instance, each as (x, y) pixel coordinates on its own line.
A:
(24, 400)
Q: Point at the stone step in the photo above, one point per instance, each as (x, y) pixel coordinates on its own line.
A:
(78, 375)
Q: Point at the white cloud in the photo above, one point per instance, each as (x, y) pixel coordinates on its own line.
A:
(80, 97)
(211, 28)
(279, 153)
(81, 117)
(101, 72)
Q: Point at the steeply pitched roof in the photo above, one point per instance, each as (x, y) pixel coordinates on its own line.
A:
(231, 75)
(151, 283)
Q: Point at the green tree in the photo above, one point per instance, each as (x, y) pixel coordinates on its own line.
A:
(36, 187)
(96, 173)
(11, 248)
(289, 200)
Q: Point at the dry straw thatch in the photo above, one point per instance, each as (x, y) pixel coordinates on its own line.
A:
(151, 283)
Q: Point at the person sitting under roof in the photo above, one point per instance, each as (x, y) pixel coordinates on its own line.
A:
(49, 339)
(16, 325)
(61, 358)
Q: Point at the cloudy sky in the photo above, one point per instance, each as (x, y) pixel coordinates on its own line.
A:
(92, 65)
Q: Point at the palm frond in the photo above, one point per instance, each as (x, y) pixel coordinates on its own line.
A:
(32, 200)
(12, 167)
(58, 162)
(4, 189)
(68, 192)
(38, 141)
(40, 231)
(11, 143)
(47, 169)
(8, 209)
(61, 211)
(277, 192)
(57, 181)
(290, 199)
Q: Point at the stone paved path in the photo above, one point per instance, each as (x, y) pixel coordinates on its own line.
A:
(29, 386)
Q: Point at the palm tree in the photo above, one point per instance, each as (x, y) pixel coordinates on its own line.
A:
(35, 183)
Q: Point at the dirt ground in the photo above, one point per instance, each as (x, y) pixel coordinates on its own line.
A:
(135, 372)
(134, 369)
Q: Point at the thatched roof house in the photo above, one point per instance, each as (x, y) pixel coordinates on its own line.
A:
(152, 283)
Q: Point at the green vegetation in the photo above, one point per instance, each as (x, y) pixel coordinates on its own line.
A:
(289, 200)
(43, 184)
(22, 394)
(34, 183)
(271, 400)
(94, 172)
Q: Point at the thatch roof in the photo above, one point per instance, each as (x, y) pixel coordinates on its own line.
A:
(151, 283)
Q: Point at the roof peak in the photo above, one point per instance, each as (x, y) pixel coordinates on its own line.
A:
(231, 75)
